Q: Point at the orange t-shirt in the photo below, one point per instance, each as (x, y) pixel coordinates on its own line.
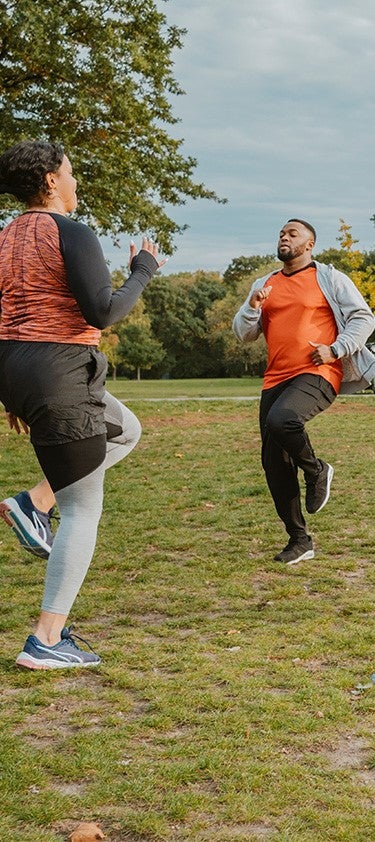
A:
(296, 312)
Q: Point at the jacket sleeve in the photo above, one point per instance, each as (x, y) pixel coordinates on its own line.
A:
(247, 323)
(89, 278)
(357, 320)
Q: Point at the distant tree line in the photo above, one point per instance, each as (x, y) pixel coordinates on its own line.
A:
(182, 325)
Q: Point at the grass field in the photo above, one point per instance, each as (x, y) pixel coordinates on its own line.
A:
(234, 702)
(241, 387)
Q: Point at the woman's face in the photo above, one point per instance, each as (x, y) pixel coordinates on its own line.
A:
(65, 186)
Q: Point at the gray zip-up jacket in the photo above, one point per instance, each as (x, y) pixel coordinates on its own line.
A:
(354, 319)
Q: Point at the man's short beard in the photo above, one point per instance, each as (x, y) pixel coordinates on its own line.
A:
(284, 256)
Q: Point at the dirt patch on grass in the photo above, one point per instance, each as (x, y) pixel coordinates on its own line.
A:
(73, 789)
(316, 664)
(151, 618)
(43, 732)
(278, 691)
(112, 834)
(352, 753)
(364, 406)
(181, 732)
(241, 832)
(354, 577)
(140, 707)
(78, 680)
(56, 722)
(192, 420)
(48, 725)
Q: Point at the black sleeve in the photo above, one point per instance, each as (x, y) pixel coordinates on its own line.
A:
(89, 278)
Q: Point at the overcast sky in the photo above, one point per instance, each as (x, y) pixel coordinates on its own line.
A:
(279, 112)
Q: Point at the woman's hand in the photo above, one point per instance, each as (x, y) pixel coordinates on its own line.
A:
(151, 247)
(16, 423)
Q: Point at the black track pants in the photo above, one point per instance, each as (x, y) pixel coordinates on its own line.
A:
(284, 410)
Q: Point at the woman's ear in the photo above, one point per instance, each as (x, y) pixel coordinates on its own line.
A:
(50, 180)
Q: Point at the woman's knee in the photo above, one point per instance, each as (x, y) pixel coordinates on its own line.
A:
(131, 429)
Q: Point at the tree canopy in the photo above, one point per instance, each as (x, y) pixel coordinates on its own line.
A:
(243, 267)
(360, 266)
(96, 75)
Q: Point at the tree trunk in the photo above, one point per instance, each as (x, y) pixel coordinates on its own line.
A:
(138, 373)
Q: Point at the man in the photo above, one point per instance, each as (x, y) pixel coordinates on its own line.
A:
(316, 323)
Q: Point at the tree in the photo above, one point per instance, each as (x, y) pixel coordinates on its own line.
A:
(109, 344)
(360, 266)
(177, 306)
(96, 76)
(172, 319)
(242, 267)
(338, 257)
(202, 360)
(238, 357)
(137, 347)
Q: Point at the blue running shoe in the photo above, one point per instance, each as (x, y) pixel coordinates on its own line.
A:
(31, 526)
(63, 655)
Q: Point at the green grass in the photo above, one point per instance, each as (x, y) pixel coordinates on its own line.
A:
(228, 704)
(134, 390)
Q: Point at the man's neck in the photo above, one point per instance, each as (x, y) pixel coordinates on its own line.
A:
(296, 264)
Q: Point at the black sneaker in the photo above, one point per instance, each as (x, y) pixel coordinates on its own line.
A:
(318, 489)
(297, 549)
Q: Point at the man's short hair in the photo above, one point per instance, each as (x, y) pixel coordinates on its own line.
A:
(307, 225)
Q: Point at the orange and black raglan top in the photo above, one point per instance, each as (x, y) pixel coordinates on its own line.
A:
(55, 285)
(295, 313)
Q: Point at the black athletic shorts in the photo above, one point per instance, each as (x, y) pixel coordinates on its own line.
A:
(56, 389)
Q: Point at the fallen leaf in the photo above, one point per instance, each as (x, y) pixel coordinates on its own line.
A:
(87, 832)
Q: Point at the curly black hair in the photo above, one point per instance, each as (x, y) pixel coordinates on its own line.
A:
(23, 169)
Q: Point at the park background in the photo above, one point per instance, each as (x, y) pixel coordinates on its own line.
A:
(182, 326)
(235, 700)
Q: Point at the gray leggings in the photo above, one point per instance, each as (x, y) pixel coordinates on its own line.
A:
(80, 506)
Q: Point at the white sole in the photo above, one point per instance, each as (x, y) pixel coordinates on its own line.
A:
(26, 660)
(304, 557)
(329, 480)
(26, 533)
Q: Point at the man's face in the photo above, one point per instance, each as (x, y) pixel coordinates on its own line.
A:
(294, 241)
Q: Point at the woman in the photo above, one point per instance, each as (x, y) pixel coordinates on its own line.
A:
(56, 296)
